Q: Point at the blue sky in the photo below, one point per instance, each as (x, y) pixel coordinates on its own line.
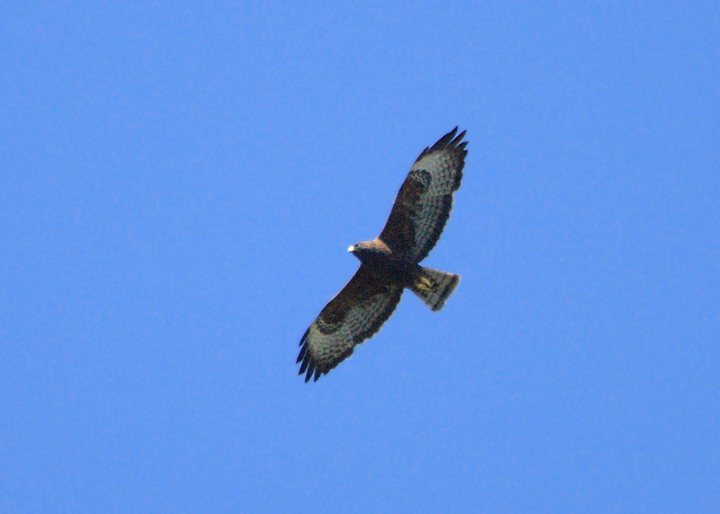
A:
(181, 180)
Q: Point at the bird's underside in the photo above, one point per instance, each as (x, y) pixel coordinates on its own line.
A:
(390, 263)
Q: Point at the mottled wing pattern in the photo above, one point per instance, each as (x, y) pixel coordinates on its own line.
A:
(423, 205)
(355, 314)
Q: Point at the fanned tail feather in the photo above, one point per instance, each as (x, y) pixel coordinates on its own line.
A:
(434, 287)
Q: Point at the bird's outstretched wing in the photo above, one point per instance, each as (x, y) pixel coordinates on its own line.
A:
(423, 205)
(354, 315)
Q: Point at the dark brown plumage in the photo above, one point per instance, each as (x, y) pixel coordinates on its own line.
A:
(390, 263)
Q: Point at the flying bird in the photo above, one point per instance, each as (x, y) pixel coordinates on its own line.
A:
(390, 262)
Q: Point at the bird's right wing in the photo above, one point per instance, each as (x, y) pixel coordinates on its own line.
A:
(354, 315)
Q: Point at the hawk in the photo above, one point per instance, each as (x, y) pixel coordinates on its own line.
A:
(390, 262)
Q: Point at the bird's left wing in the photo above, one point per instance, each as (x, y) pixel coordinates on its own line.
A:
(423, 204)
(354, 315)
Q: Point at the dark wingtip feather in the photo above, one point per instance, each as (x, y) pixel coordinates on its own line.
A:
(456, 142)
(449, 141)
(443, 141)
(304, 366)
(308, 366)
(302, 354)
(305, 336)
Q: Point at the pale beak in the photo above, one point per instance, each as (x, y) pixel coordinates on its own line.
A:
(351, 248)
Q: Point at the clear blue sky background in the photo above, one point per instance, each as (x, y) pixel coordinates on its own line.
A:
(179, 183)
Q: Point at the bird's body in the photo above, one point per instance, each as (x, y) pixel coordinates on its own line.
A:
(391, 262)
(379, 258)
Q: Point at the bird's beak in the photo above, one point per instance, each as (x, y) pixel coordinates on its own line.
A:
(351, 248)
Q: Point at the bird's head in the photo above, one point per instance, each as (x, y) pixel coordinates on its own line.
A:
(368, 251)
(362, 250)
(356, 249)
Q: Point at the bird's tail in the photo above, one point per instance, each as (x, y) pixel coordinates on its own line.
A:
(434, 287)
